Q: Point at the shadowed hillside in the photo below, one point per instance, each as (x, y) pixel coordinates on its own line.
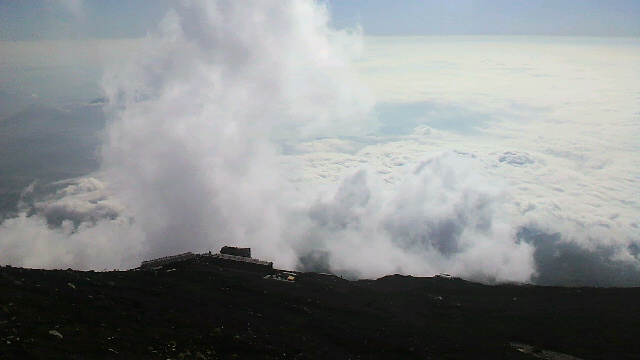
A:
(195, 309)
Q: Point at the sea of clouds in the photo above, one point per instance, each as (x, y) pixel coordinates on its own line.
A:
(254, 123)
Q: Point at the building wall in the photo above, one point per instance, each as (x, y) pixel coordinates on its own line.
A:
(167, 260)
(236, 251)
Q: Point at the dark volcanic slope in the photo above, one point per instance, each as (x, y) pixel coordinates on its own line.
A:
(195, 310)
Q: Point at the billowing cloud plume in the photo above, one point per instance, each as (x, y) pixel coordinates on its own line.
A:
(442, 217)
(190, 149)
(221, 131)
(190, 146)
(75, 223)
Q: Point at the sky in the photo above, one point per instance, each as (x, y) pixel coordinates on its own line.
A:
(92, 19)
(266, 124)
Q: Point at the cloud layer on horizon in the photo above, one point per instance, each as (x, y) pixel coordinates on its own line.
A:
(556, 118)
(231, 127)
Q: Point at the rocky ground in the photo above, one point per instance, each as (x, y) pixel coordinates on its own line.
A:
(197, 310)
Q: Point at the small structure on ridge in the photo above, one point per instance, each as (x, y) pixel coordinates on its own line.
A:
(229, 257)
(167, 260)
(240, 258)
(236, 251)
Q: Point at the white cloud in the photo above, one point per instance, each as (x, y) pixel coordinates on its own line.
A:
(200, 106)
(79, 225)
(561, 126)
(441, 217)
(513, 144)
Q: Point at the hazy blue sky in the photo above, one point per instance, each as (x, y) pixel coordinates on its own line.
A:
(77, 19)
(492, 17)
